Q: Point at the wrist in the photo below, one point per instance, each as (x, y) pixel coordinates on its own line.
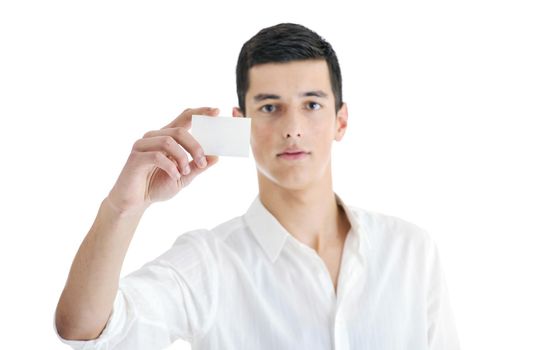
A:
(122, 211)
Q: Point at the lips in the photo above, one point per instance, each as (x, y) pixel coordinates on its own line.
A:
(293, 156)
(292, 151)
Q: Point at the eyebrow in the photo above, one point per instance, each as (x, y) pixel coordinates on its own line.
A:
(315, 93)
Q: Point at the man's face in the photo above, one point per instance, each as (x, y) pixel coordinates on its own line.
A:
(293, 121)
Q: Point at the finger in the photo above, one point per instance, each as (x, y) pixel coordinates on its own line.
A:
(186, 179)
(167, 145)
(185, 139)
(159, 160)
(184, 119)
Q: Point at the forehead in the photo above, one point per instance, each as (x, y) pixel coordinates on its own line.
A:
(289, 77)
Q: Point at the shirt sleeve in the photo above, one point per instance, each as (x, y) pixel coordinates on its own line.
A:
(171, 297)
(442, 333)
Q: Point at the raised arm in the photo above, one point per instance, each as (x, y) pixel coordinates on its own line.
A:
(156, 170)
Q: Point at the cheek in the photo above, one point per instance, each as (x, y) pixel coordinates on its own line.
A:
(324, 131)
(324, 135)
(260, 138)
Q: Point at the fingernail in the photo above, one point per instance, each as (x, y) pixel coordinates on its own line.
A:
(186, 169)
(201, 161)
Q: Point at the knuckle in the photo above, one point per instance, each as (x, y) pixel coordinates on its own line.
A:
(155, 157)
(135, 157)
(180, 133)
(180, 130)
(169, 142)
(132, 156)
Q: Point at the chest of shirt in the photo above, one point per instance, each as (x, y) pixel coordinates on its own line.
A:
(291, 304)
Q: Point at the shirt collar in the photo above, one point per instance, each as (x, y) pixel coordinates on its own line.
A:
(272, 236)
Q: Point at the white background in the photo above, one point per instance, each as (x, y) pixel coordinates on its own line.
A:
(443, 100)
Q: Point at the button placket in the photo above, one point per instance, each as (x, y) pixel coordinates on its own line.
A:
(321, 270)
(325, 279)
(340, 332)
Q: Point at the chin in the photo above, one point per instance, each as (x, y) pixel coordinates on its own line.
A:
(294, 185)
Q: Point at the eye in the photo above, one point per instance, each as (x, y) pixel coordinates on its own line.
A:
(314, 106)
(268, 108)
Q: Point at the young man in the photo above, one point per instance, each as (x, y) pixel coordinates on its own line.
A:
(300, 269)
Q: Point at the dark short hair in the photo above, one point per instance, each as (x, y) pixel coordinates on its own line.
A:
(286, 42)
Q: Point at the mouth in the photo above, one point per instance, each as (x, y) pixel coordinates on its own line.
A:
(293, 155)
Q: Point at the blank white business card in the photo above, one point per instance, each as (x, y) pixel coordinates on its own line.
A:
(222, 136)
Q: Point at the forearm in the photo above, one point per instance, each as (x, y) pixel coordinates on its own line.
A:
(86, 302)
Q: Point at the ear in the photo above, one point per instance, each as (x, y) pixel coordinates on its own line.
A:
(236, 112)
(341, 122)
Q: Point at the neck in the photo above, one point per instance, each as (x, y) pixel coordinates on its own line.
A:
(310, 214)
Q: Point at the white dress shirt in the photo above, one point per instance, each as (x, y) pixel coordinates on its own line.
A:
(249, 284)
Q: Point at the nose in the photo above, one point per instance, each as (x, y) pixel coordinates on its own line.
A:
(290, 135)
(292, 127)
